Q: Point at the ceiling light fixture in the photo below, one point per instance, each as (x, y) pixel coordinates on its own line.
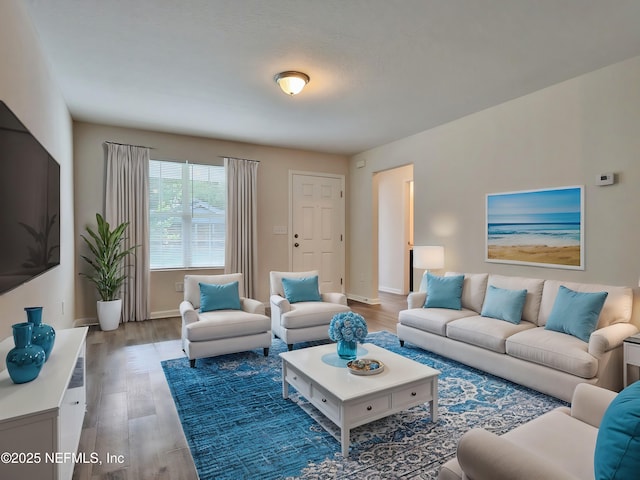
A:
(292, 82)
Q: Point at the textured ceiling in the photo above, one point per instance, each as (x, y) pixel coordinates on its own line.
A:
(380, 69)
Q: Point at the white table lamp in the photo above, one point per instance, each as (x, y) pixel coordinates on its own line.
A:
(427, 258)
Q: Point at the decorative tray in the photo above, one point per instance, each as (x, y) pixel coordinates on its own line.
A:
(365, 366)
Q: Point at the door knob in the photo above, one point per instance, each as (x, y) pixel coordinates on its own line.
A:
(295, 236)
(296, 244)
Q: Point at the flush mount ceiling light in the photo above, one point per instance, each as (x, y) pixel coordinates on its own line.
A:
(292, 82)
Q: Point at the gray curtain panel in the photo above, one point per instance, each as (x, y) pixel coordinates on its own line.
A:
(127, 200)
(241, 243)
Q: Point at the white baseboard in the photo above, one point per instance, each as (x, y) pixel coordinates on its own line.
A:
(85, 322)
(164, 314)
(397, 291)
(361, 299)
(82, 322)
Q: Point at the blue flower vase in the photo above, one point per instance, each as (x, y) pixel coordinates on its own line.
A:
(43, 334)
(25, 360)
(347, 350)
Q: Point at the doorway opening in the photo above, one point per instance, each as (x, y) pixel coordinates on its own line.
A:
(395, 229)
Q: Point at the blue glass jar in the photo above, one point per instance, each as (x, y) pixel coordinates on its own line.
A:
(347, 350)
(43, 334)
(25, 360)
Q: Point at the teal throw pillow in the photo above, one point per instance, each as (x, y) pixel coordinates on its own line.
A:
(576, 313)
(504, 304)
(444, 292)
(303, 289)
(219, 297)
(617, 455)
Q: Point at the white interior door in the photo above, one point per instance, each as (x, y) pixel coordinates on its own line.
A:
(317, 227)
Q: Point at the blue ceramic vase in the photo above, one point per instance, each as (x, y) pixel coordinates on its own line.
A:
(347, 350)
(25, 360)
(43, 334)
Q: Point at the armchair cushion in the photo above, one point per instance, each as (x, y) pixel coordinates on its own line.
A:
(219, 297)
(486, 456)
(311, 314)
(228, 324)
(303, 289)
(617, 454)
(275, 279)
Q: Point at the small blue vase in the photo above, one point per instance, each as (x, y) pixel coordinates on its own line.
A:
(25, 360)
(347, 350)
(43, 334)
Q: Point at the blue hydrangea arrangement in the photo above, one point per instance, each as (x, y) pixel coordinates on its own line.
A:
(348, 327)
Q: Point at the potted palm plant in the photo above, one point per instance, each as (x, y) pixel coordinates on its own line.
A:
(108, 254)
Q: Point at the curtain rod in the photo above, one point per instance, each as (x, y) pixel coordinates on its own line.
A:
(245, 159)
(128, 145)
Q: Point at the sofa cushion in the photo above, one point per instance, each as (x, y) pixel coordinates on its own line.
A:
(444, 292)
(219, 297)
(473, 289)
(433, 320)
(485, 332)
(553, 349)
(533, 286)
(303, 289)
(617, 454)
(617, 307)
(311, 314)
(576, 313)
(504, 304)
(226, 324)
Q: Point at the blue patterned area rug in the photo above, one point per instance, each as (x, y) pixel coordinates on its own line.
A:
(238, 426)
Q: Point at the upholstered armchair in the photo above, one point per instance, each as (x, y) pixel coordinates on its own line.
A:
(217, 319)
(299, 312)
(598, 436)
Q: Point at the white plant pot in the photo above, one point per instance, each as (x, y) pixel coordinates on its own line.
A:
(109, 313)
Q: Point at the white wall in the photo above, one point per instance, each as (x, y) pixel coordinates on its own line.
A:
(273, 198)
(393, 228)
(563, 135)
(27, 87)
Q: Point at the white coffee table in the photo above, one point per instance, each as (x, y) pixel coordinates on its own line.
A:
(350, 400)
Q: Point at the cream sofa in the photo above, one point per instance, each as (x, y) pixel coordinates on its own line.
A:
(525, 353)
(558, 445)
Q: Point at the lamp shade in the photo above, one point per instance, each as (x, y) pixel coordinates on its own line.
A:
(429, 257)
(291, 82)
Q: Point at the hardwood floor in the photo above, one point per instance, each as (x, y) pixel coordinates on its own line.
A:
(130, 413)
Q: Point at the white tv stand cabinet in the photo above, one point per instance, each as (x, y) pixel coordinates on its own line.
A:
(41, 421)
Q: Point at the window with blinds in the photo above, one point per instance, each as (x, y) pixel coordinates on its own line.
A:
(186, 215)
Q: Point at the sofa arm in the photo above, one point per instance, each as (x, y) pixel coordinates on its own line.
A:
(334, 297)
(188, 313)
(250, 305)
(589, 403)
(416, 299)
(610, 337)
(485, 456)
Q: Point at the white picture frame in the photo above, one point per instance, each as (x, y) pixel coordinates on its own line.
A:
(542, 228)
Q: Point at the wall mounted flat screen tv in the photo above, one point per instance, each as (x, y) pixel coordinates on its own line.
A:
(29, 204)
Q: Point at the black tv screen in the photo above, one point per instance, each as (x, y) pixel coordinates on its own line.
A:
(29, 204)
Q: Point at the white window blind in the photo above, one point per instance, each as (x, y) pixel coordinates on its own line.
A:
(186, 215)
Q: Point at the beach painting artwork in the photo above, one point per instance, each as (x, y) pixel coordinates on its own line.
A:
(537, 227)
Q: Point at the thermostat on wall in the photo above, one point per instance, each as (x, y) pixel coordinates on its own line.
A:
(605, 179)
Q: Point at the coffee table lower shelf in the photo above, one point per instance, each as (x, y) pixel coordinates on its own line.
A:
(350, 411)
